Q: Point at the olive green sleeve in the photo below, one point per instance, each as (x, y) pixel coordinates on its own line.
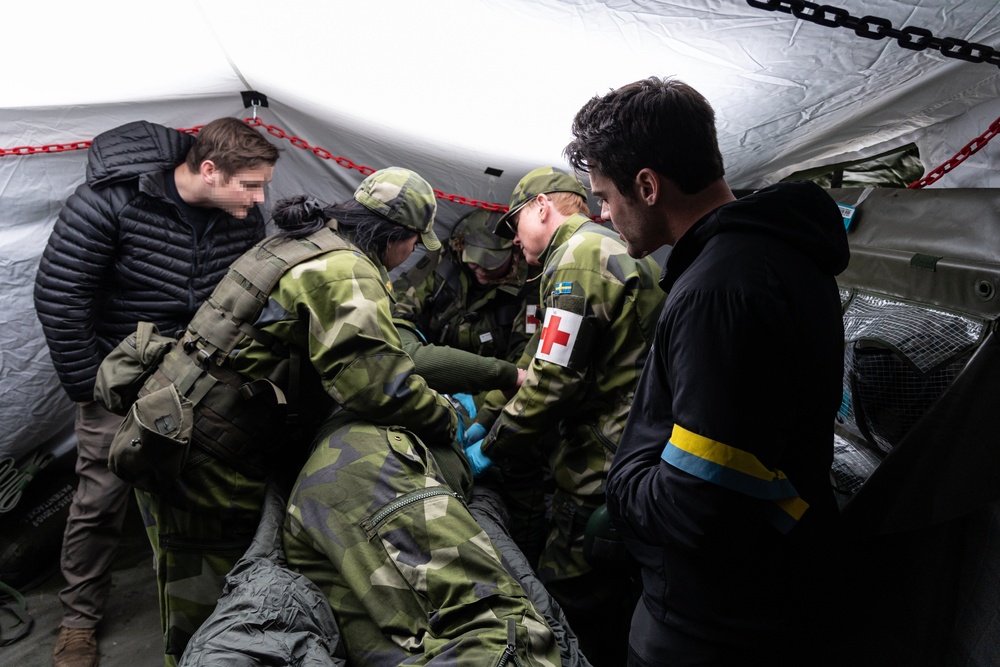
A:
(450, 370)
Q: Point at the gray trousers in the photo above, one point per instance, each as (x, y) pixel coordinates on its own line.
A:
(94, 527)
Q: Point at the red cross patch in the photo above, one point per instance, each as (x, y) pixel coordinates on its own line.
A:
(559, 335)
(531, 320)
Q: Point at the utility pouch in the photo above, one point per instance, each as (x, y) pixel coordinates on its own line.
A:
(151, 446)
(601, 543)
(125, 369)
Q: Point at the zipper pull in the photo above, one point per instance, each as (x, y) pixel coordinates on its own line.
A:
(511, 651)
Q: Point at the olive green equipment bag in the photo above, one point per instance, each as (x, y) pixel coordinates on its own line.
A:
(128, 366)
(179, 395)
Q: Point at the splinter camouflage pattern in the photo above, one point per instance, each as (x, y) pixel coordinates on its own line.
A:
(402, 196)
(336, 310)
(196, 540)
(535, 182)
(586, 271)
(410, 575)
(449, 307)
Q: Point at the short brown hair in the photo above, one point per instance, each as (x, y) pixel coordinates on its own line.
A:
(232, 145)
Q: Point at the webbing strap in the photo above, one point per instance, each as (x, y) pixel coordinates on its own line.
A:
(227, 317)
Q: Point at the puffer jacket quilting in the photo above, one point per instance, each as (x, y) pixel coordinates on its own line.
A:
(120, 252)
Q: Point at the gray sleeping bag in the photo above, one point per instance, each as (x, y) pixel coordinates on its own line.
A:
(270, 615)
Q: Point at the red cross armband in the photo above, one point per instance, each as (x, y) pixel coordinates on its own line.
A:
(567, 335)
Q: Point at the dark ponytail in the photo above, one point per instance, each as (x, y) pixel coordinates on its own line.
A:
(299, 216)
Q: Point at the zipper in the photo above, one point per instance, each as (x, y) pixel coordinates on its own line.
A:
(180, 543)
(372, 523)
(510, 652)
(196, 265)
(601, 438)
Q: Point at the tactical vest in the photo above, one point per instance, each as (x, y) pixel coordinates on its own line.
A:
(236, 419)
(446, 319)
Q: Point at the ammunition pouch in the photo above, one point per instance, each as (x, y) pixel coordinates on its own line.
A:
(151, 446)
(601, 543)
(123, 372)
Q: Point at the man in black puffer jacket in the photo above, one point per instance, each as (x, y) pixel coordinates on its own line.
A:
(146, 238)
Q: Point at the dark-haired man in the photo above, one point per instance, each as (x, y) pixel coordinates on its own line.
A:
(147, 236)
(721, 481)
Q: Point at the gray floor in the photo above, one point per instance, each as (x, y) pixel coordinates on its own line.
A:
(128, 636)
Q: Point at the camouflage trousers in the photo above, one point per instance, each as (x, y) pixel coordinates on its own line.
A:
(198, 533)
(410, 575)
(562, 556)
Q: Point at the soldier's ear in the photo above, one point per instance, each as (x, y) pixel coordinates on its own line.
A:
(543, 203)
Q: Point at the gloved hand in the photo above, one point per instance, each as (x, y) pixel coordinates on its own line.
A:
(466, 402)
(480, 462)
(460, 430)
(474, 433)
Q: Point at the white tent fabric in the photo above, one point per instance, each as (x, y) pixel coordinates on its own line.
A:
(452, 88)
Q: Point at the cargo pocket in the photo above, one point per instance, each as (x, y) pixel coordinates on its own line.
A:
(194, 573)
(151, 446)
(126, 368)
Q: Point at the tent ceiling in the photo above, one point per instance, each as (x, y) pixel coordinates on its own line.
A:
(449, 88)
(503, 78)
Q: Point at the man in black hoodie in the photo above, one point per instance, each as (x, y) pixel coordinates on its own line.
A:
(720, 486)
(146, 237)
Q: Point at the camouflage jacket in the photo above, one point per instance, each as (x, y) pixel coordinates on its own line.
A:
(336, 310)
(600, 312)
(450, 308)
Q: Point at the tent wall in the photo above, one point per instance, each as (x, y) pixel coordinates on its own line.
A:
(921, 379)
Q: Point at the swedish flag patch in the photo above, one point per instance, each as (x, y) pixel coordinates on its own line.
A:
(563, 288)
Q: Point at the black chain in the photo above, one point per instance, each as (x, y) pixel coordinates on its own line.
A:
(873, 27)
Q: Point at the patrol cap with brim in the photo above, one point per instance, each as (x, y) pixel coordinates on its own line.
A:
(543, 180)
(474, 234)
(403, 197)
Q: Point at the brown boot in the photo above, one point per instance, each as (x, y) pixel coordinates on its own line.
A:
(76, 647)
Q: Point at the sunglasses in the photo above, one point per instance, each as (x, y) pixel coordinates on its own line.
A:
(512, 220)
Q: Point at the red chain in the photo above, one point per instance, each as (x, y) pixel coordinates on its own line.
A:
(274, 131)
(49, 148)
(971, 148)
(299, 142)
(346, 163)
(75, 146)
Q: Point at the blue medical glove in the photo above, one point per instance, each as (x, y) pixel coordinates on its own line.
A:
(467, 403)
(480, 462)
(460, 430)
(475, 432)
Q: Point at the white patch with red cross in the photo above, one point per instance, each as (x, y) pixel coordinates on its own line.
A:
(559, 334)
(531, 320)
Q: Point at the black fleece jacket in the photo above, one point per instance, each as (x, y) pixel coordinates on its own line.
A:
(747, 364)
(121, 252)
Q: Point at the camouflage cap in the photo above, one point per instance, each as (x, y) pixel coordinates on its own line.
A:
(402, 196)
(475, 241)
(537, 181)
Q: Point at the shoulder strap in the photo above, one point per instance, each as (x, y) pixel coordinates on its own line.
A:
(448, 279)
(227, 317)
(418, 273)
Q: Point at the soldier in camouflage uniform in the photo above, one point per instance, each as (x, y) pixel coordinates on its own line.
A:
(335, 310)
(600, 311)
(410, 575)
(381, 527)
(475, 295)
